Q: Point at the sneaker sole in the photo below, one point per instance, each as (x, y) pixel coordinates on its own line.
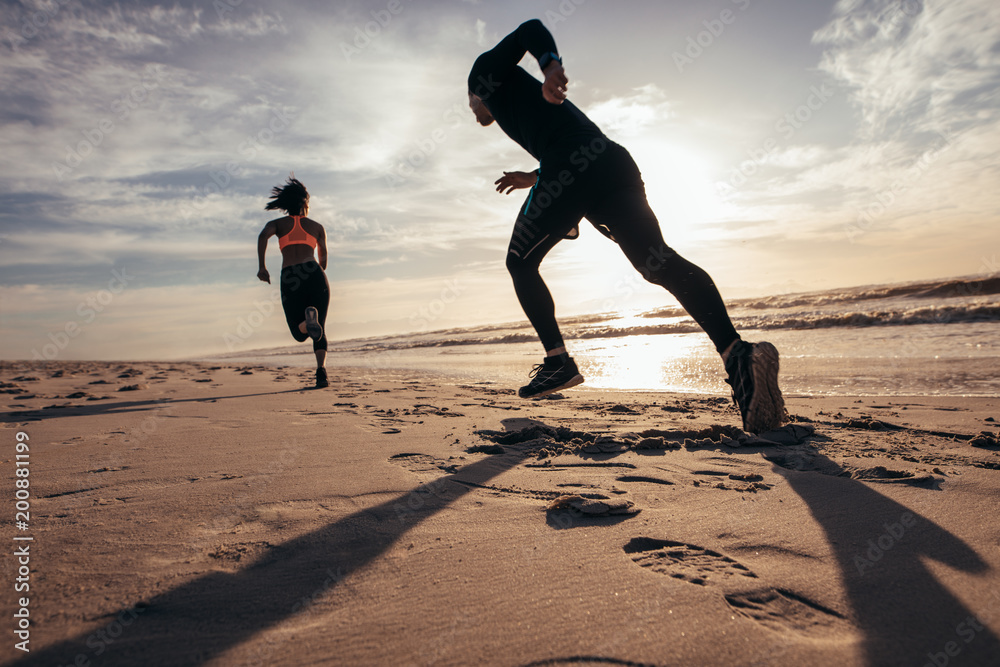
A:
(313, 327)
(767, 407)
(572, 382)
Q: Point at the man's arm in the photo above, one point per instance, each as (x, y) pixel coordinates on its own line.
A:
(492, 67)
(516, 180)
(554, 87)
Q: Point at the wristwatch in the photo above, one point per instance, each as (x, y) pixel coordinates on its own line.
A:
(547, 59)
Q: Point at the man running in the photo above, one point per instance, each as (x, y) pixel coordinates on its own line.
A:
(583, 174)
(305, 291)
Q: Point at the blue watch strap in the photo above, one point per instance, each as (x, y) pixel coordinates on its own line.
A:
(547, 59)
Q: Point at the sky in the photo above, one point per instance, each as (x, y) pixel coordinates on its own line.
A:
(785, 145)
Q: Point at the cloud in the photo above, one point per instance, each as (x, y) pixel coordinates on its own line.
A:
(923, 77)
(916, 67)
(632, 114)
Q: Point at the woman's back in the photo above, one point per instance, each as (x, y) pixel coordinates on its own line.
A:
(298, 236)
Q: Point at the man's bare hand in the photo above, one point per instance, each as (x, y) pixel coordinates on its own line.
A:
(515, 180)
(554, 87)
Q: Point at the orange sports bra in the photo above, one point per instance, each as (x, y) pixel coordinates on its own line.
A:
(297, 235)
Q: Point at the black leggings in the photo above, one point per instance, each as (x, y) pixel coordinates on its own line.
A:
(602, 183)
(304, 285)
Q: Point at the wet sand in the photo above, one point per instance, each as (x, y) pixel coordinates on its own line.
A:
(195, 514)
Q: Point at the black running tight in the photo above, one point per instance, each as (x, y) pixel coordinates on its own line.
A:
(609, 192)
(304, 285)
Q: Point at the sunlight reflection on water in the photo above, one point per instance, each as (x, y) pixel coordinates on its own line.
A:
(685, 363)
(916, 360)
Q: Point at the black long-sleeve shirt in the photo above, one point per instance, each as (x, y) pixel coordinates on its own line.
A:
(514, 97)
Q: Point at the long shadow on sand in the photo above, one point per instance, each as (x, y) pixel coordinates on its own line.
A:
(906, 615)
(201, 619)
(91, 409)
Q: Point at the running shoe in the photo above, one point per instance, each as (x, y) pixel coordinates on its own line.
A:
(753, 375)
(313, 327)
(555, 373)
(321, 381)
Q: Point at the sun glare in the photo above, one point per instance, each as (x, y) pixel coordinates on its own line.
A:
(679, 189)
(684, 363)
(685, 202)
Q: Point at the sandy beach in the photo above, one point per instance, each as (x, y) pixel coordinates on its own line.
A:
(188, 514)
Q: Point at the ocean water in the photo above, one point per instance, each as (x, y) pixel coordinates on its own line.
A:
(927, 338)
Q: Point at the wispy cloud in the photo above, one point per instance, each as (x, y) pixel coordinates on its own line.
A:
(916, 67)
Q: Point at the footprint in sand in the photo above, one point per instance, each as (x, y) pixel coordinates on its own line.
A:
(774, 608)
(686, 562)
(423, 463)
(644, 479)
(242, 552)
(808, 461)
(782, 610)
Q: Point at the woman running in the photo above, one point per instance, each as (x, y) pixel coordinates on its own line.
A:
(305, 291)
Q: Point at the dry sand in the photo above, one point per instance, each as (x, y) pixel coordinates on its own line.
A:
(186, 514)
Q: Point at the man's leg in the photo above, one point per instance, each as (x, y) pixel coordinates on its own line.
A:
(537, 230)
(752, 368)
(626, 214)
(535, 234)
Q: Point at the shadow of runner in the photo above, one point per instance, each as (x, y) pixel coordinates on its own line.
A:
(121, 407)
(907, 617)
(202, 618)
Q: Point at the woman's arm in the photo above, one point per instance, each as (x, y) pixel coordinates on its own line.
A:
(270, 229)
(321, 247)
